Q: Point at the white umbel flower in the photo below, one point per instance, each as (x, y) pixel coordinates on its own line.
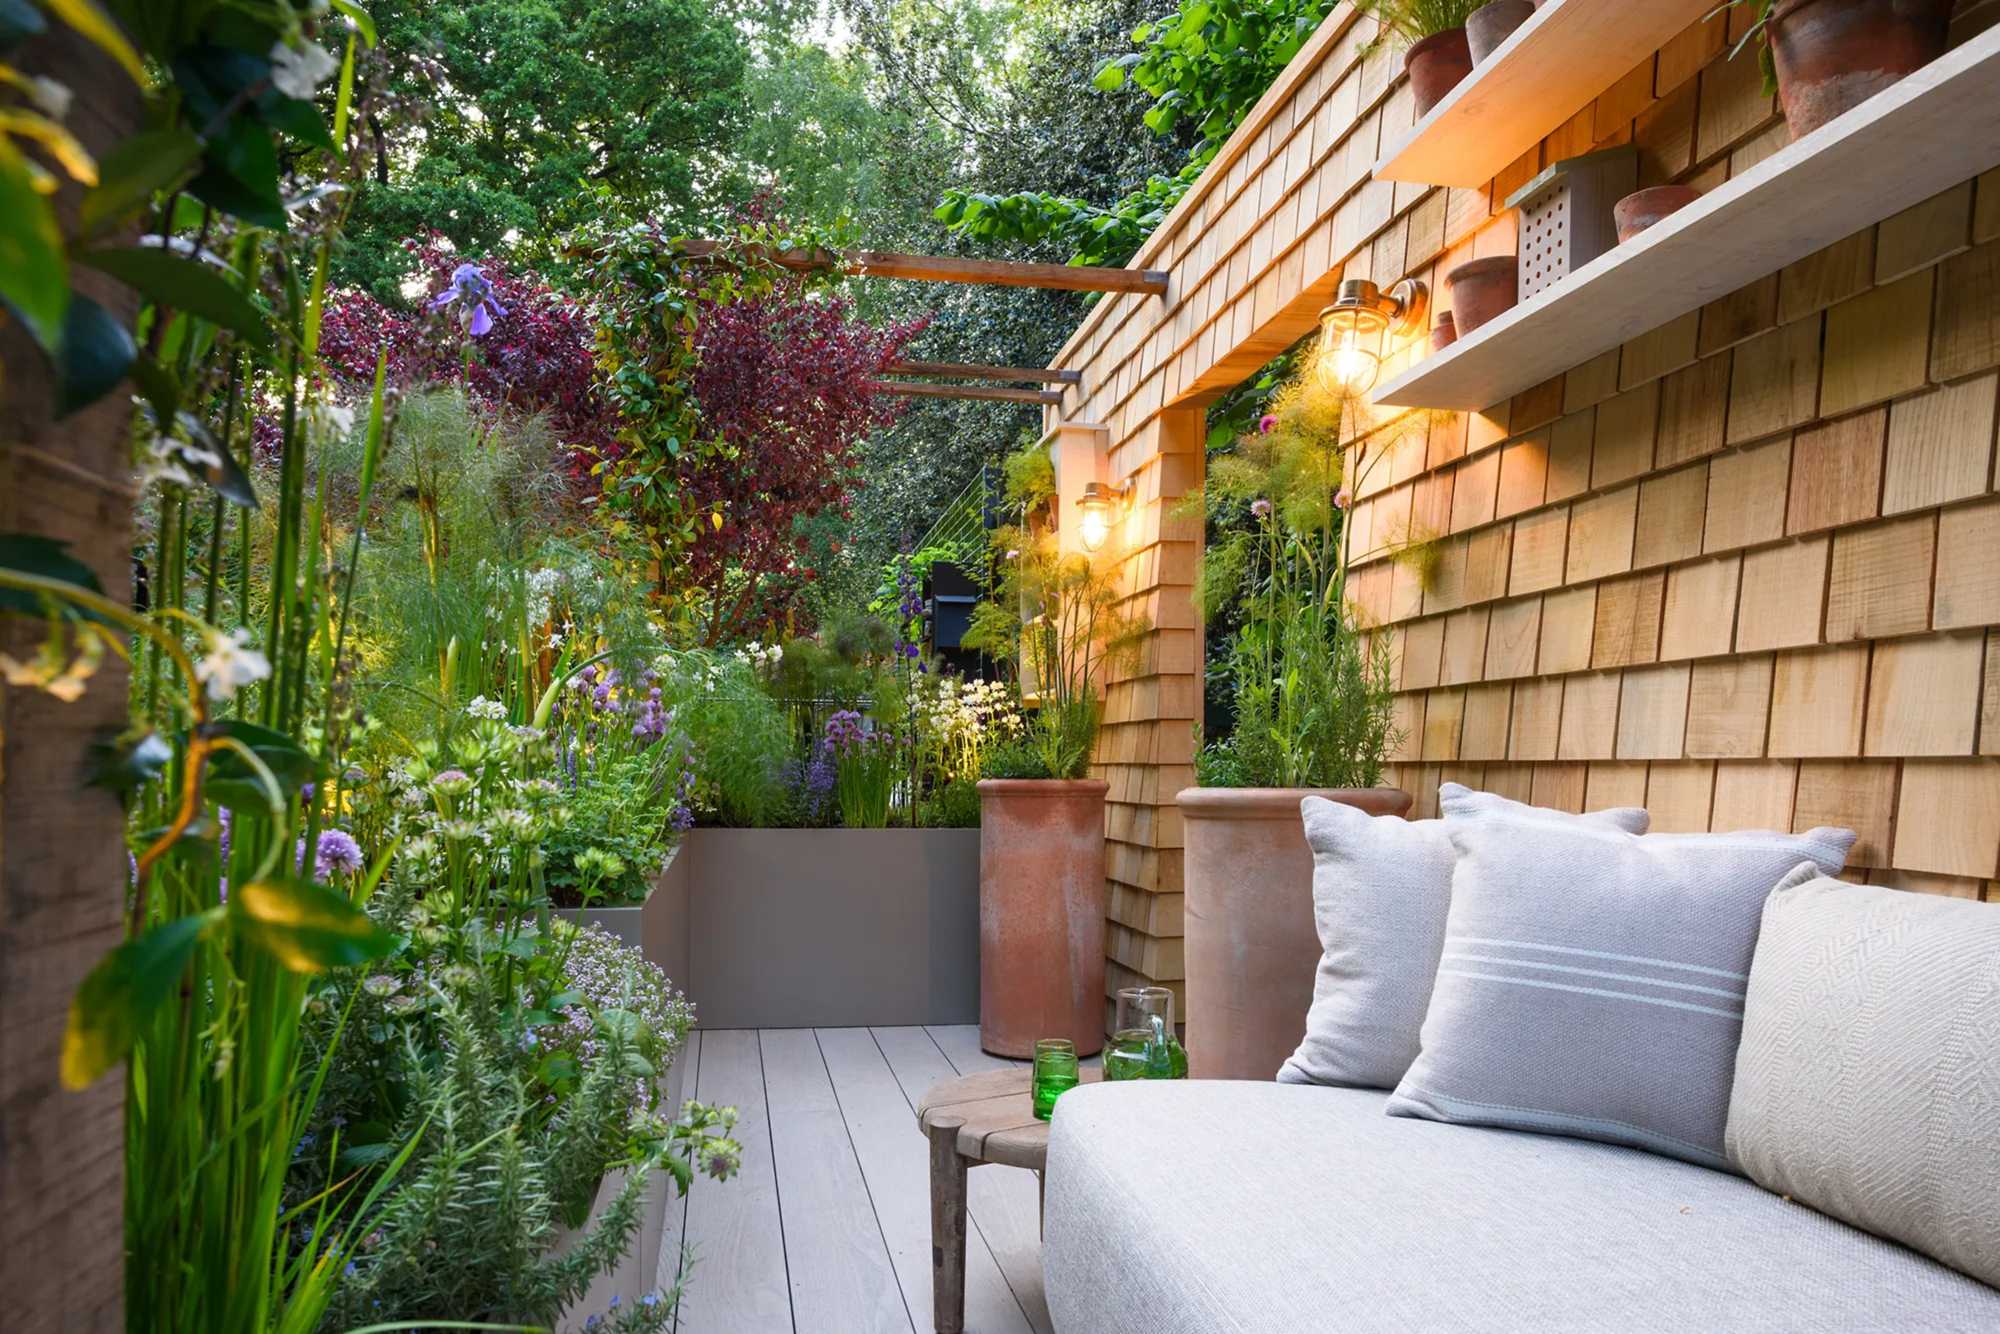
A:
(298, 71)
(230, 664)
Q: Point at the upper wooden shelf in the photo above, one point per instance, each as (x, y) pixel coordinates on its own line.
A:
(1547, 71)
(1936, 128)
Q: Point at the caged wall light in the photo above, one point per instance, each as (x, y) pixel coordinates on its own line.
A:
(1097, 510)
(1351, 330)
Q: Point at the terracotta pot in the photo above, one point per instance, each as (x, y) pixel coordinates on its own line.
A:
(1491, 24)
(1445, 332)
(1041, 913)
(1833, 55)
(1252, 947)
(1642, 208)
(1436, 65)
(1481, 289)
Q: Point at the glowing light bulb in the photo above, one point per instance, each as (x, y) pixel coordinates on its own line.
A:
(1094, 514)
(1349, 361)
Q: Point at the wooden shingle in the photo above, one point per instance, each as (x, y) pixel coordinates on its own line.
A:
(1775, 383)
(1836, 472)
(1693, 403)
(1967, 337)
(1940, 445)
(1653, 713)
(1512, 631)
(1753, 794)
(1568, 620)
(1746, 496)
(1699, 616)
(1728, 704)
(1627, 427)
(1614, 783)
(1589, 717)
(1678, 796)
(1880, 584)
(1948, 817)
(1488, 710)
(1816, 701)
(1844, 794)
(1541, 542)
(1782, 596)
(1627, 628)
(1672, 507)
(1923, 695)
(1600, 535)
(1968, 573)
(1537, 719)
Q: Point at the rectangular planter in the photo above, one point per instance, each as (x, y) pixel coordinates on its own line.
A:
(816, 928)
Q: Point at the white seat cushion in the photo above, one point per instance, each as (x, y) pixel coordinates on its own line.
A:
(1192, 1207)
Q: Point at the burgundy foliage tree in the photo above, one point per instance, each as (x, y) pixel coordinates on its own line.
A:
(536, 357)
(787, 381)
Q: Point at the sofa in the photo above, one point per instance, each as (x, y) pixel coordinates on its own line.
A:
(1202, 1206)
(1859, 1082)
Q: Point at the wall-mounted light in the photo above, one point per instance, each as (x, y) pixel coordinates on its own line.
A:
(1351, 329)
(1097, 509)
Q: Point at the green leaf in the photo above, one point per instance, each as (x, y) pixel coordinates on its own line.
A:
(557, 1068)
(214, 464)
(122, 992)
(360, 17)
(299, 120)
(126, 763)
(184, 284)
(231, 780)
(34, 280)
(132, 173)
(241, 175)
(158, 385)
(96, 352)
(309, 927)
(45, 558)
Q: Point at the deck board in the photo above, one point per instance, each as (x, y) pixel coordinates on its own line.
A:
(841, 1275)
(738, 1284)
(895, 1160)
(826, 1229)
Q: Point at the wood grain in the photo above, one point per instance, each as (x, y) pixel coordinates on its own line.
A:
(1816, 701)
(1968, 576)
(1783, 595)
(1627, 622)
(1940, 445)
(1694, 402)
(738, 1284)
(1847, 795)
(1600, 535)
(1880, 583)
(1877, 344)
(1672, 507)
(1746, 496)
(1948, 817)
(1698, 619)
(1512, 631)
(1589, 717)
(1923, 695)
(1923, 234)
(1836, 472)
(1653, 713)
(1774, 384)
(1729, 704)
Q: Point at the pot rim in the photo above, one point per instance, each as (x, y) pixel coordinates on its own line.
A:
(1279, 803)
(1784, 9)
(1480, 268)
(1425, 43)
(1001, 787)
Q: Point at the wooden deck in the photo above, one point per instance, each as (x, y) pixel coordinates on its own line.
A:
(826, 1230)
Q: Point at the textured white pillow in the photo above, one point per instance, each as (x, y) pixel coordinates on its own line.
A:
(1868, 1081)
(1592, 981)
(1381, 888)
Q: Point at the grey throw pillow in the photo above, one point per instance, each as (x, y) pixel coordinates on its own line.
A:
(1868, 1082)
(1591, 982)
(1381, 888)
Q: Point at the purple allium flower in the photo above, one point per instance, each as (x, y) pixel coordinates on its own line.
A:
(337, 852)
(590, 674)
(1266, 422)
(1261, 508)
(473, 296)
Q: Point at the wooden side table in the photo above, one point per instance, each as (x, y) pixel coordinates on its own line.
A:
(983, 1118)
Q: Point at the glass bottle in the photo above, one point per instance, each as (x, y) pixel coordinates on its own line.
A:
(1143, 1045)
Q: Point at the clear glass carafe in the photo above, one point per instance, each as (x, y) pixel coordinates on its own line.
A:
(1143, 1045)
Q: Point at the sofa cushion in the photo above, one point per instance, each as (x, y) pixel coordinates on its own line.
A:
(1868, 1082)
(1592, 981)
(1195, 1207)
(1381, 889)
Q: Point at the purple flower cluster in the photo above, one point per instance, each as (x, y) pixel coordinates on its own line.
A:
(910, 611)
(845, 735)
(810, 787)
(613, 705)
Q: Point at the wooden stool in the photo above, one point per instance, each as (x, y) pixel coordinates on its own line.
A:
(983, 1118)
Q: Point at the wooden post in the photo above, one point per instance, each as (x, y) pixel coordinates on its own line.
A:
(947, 1225)
(62, 845)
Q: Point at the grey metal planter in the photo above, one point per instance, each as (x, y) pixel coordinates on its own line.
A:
(816, 928)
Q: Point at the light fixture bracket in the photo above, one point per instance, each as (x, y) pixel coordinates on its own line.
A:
(1401, 310)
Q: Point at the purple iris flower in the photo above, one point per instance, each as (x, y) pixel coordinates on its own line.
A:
(474, 298)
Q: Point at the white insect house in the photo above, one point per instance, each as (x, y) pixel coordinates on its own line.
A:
(1566, 218)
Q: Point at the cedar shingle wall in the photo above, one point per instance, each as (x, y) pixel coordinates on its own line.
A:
(1743, 570)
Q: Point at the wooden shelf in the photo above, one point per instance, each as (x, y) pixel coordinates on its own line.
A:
(1936, 128)
(1548, 70)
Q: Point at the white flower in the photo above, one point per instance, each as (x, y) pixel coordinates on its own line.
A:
(327, 422)
(230, 664)
(52, 97)
(482, 707)
(299, 71)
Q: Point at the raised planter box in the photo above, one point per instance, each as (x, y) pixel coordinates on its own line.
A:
(816, 928)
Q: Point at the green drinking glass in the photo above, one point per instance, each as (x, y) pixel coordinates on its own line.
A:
(1143, 1045)
(1055, 1074)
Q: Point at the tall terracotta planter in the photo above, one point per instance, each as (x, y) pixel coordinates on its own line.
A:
(1252, 946)
(1833, 55)
(1041, 913)
(1437, 64)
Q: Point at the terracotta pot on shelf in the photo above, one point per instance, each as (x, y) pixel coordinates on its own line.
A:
(1041, 913)
(1491, 24)
(1444, 333)
(1437, 64)
(1642, 208)
(1483, 288)
(1252, 947)
(1833, 55)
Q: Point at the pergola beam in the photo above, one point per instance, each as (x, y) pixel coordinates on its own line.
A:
(956, 371)
(979, 393)
(981, 272)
